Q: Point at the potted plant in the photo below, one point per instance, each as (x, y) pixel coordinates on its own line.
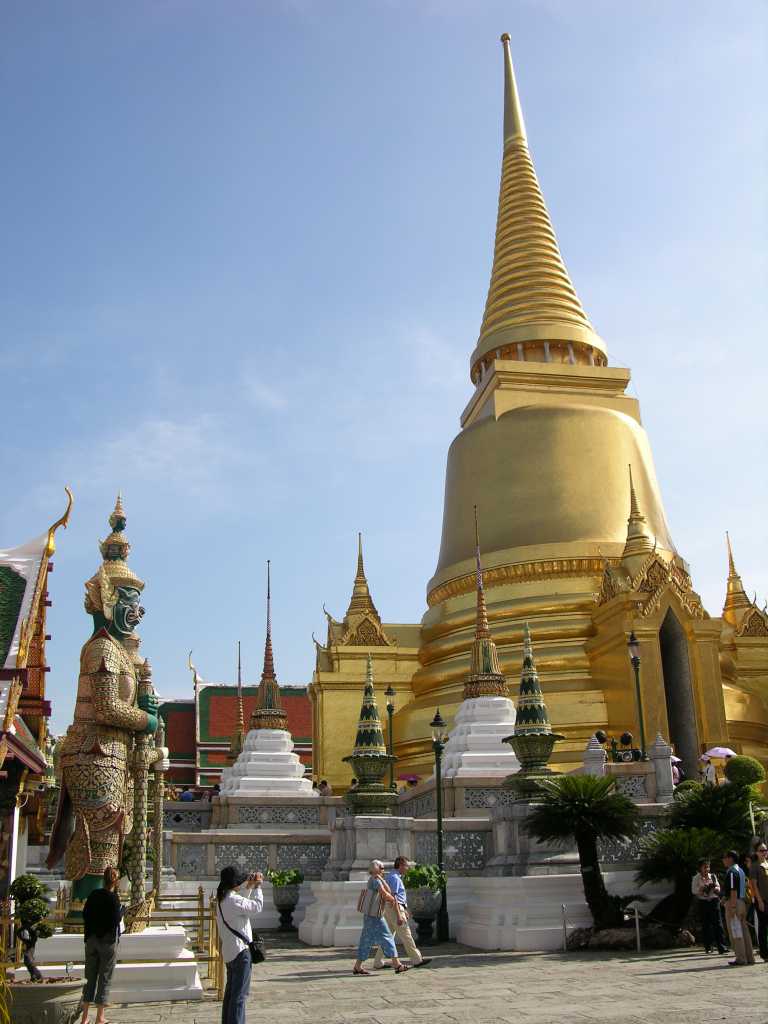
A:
(285, 895)
(53, 1000)
(424, 883)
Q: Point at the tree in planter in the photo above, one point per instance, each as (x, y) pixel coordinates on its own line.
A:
(425, 884)
(31, 910)
(673, 855)
(285, 894)
(584, 809)
(428, 876)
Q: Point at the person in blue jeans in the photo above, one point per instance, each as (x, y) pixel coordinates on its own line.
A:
(234, 911)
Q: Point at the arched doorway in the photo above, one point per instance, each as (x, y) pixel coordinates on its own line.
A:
(678, 691)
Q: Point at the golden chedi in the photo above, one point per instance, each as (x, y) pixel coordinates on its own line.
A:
(553, 453)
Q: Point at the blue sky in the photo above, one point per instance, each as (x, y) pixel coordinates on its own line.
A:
(245, 254)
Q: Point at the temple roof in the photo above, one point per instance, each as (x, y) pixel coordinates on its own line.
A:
(531, 296)
(19, 574)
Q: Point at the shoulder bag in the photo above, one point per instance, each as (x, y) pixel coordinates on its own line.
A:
(255, 946)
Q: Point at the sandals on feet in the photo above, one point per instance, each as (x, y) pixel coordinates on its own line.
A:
(360, 970)
(402, 968)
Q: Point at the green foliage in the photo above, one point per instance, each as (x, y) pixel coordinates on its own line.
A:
(744, 771)
(687, 785)
(27, 887)
(582, 805)
(419, 875)
(30, 895)
(723, 809)
(290, 877)
(584, 809)
(674, 853)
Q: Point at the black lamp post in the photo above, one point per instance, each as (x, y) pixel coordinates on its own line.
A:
(390, 695)
(633, 646)
(439, 739)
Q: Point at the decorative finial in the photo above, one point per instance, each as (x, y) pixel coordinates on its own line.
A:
(118, 515)
(514, 125)
(505, 37)
(62, 521)
(731, 565)
(485, 677)
(736, 600)
(634, 508)
(268, 712)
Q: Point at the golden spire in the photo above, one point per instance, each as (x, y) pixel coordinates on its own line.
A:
(485, 677)
(736, 600)
(268, 712)
(639, 544)
(531, 297)
(361, 601)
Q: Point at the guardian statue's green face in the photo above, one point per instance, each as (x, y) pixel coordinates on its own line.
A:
(127, 613)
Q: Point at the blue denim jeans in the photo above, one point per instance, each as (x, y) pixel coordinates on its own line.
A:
(236, 991)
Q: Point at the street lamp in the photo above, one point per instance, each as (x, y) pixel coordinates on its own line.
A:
(390, 695)
(439, 739)
(633, 646)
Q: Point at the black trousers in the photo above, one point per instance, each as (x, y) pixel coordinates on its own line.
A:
(711, 924)
(761, 924)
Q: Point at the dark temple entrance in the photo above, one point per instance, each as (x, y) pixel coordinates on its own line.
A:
(678, 690)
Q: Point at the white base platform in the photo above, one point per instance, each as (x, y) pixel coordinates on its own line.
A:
(176, 977)
(486, 913)
(267, 767)
(332, 919)
(526, 913)
(475, 746)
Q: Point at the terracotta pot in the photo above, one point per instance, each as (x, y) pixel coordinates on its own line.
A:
(56, 1003)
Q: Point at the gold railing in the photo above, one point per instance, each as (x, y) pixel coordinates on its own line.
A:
(196, 915)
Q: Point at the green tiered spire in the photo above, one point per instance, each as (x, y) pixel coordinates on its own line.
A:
(533, 739)
(485, 677)
(532, 715)
(369, 759)
(370, 738)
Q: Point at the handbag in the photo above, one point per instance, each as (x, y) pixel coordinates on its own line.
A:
(256, 946)
(371, 902)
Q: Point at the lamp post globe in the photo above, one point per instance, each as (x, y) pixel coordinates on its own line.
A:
(439, 739)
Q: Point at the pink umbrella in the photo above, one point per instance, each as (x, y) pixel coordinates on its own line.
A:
(720, 752)
(676, 760)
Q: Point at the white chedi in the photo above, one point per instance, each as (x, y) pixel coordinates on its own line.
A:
(475, 746)
(267, 766)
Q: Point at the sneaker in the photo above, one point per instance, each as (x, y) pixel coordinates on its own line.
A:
(382, 967)
(424, 962)
(736, 963)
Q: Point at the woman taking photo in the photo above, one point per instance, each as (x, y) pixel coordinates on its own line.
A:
(375, 929)
(102, 915)
(233, 911)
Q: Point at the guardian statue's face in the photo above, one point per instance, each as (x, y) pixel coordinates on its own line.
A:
(127, 613)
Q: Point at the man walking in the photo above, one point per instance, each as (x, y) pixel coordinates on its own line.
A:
(735, 896)
(397, 918)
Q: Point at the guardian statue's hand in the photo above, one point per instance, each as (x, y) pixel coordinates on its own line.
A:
(148, 702)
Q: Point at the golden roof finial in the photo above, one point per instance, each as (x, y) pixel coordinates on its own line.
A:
(514, 125)
(62, 521)
(485, 677)
(361, 601)
(638, 544)
(736, 600)
(531, 297)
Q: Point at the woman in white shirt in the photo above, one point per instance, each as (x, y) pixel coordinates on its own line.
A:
(234, 915)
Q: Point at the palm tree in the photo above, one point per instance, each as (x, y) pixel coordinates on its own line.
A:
(584, 809)
(673, 855)
(725, 809)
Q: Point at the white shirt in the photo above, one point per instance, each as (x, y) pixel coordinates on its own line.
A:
(236, 911)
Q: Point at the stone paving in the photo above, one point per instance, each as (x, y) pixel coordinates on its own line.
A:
(464, 986)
